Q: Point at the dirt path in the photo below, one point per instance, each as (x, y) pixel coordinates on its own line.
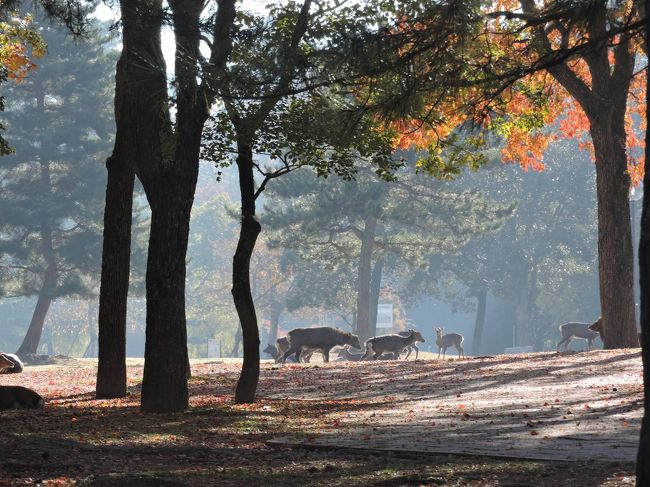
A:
(581, 406)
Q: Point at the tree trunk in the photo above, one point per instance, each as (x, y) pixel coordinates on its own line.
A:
(363, 280)
(35, 330)
(241, 288)
(276, 312)
(50, 276)
(614, 232)
(375, 287)
(481, 299)
(234, 353)
(137, 130)
(114, 287)
(643, 455)
(164, 381)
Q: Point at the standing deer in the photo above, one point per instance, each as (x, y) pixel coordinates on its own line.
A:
(321, 339)
(410, 348)
(394, 344)
(448, 340)
(573, 330)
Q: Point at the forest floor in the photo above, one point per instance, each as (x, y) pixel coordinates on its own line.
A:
(512, 420)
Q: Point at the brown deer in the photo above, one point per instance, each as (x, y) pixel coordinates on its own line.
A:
(18, 397)
(586, 331)
(394, 344)
(320, 339)
(449, 340)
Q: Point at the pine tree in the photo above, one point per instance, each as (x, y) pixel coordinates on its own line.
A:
(59, 122)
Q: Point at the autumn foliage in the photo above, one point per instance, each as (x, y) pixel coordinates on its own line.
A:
(19, 45)
(530, 110)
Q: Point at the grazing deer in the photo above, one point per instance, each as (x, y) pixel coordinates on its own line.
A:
(271, 350)
(349, 356)
(394, 344)
(448, 340)
(321, 339)
(5, 364)
(17, 397)
(283, 345)
(573, 330)
(18, 365)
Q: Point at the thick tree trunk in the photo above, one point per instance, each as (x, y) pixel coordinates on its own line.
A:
(363, 278)
(481, 302)
(114, 287)
(164, 381)
(375, 287)
(643, 455)
(241, 288)
(614, 232)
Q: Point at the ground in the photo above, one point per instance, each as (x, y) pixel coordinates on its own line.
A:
(534, 419)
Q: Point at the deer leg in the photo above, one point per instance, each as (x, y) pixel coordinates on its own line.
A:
(326, 355)
(559, 344)
(417, 351)
(590, 344)
(367, 352)
(566, 345)
(287, 354)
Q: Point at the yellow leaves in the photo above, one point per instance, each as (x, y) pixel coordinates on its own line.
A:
(19, 44)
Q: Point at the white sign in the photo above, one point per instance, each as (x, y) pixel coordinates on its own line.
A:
(385, 315)
(214, 348)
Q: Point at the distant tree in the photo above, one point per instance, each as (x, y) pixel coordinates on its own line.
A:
(542, 260)
(371, 223)
(60, 123)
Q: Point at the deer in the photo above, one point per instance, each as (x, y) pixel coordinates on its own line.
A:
(409, 348)
(448, 340)
(18, 397)
(5, 364)
(17, 365)
(586, 331)
(321, 339)
(282, 345)
(394, 344)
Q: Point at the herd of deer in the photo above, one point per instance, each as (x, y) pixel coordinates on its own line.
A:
(303, 342)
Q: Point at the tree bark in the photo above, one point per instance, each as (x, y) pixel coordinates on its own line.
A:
(114, 287)
(643, 455)
(363, 279)
(615, 255)
(375, 288)
(241, 289)
(164, 381)
(481, 302)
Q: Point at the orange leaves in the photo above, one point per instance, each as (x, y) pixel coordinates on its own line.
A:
(18, 45)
